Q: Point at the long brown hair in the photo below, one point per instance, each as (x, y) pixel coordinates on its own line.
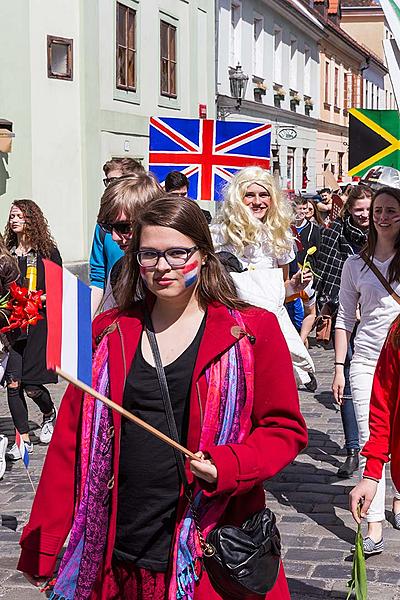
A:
(394, 333)
(394, 267)
(185, 216)
(36, 229)
(357, 192)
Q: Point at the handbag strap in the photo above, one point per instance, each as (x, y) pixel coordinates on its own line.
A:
(173, 431)
(169, 413)
(381, 278)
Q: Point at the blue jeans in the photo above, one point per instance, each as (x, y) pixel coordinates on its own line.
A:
(347, 413)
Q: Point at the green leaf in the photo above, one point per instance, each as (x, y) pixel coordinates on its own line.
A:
(358, 582)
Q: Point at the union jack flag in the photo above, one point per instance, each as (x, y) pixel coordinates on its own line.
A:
(208, 152)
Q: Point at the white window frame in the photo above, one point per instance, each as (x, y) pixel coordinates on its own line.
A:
(235, 33)
(293, 64)
(127, 95)
(278, 55)
(307, 70)
(258, 44)
(166, 101)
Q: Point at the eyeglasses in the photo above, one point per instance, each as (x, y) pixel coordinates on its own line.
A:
(179, 194)
(108, 180)
(175, 257)
(120, 227)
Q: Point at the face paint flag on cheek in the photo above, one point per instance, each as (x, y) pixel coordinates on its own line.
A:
(190, 273)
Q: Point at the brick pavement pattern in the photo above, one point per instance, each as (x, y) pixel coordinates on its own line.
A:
(310, 503)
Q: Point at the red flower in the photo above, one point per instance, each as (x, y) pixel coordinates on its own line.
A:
(24, 307)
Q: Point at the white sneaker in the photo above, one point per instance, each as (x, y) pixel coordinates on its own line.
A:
(47, 429)
(3, 449)
(14, 453)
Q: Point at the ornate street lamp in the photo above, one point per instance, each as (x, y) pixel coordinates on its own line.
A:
(238, 84)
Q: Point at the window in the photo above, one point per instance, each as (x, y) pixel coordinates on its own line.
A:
(126, 48)
(258, 27)
(347, 91)
(293, 68)
(340, 166)
(326, 83)
(356, 91)
(235, 37)
(336, 95)
(305, 179)
(167, 60)
(278, 55)
(290, 168)
(307, 71)
(59, 58)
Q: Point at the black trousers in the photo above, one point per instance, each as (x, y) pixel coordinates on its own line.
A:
(16, 395)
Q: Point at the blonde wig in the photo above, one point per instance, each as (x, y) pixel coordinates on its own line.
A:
(240, 228)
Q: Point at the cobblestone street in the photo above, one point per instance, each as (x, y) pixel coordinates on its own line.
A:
(309, 500)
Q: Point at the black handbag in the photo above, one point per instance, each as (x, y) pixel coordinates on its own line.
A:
(243, 561)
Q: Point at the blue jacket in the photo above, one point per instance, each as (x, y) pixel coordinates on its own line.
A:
(105, 253)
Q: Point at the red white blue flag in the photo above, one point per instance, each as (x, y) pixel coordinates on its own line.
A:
(22, 448)
(208, 152)
(69, 324)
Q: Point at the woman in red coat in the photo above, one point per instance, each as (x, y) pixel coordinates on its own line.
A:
(115, 487)
(384, 425)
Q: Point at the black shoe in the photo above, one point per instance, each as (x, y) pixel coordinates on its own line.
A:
(311, 385)
(350, 465)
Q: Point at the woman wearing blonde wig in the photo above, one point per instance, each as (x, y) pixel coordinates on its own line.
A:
(254, 226)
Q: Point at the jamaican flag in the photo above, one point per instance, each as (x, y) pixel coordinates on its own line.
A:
(374, 139)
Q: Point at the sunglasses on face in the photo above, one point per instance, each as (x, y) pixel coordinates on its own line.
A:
(175, 257)
(120, 227)
(108, 180)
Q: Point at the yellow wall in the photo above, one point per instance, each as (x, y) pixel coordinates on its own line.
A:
(367, 30)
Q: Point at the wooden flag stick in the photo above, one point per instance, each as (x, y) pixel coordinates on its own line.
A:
(161, 436)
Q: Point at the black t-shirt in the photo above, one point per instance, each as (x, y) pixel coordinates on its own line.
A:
(148, 488)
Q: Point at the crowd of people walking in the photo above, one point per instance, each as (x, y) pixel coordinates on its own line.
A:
(184, 304)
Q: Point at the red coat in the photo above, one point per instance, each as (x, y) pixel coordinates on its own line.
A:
(384, 417)
(278, 435)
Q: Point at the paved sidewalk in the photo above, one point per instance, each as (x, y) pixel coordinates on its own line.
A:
(309, 500)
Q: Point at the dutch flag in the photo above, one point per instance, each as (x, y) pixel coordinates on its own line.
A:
(69, 323)
(22, 448)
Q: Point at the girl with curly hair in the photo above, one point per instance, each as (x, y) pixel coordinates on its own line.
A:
(254, 221)
(29, 240)
(254, 225)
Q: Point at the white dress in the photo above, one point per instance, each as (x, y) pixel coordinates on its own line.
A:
(262, 285)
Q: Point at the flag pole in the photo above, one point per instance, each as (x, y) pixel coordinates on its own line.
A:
(30, 480)
(161, 436)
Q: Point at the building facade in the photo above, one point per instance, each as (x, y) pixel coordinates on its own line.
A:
(276, 42)
(351, 76)
(79, 83)
(365, 21)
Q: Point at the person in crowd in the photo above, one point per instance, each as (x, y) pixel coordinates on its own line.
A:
(29, 240)
(253, 225)
(312, 214)
(345, 237)
(365, 278)
(105, 252)
(325, 204)
(213, 347)
(309, 235)
(254, 222)
(383, 444)
(118, 207)
(177, 183)
(9, 273)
